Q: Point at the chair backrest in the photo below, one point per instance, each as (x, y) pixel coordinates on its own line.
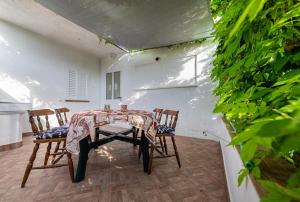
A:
(37, 114)
(158, 114)
(170, 118)
(62, 119)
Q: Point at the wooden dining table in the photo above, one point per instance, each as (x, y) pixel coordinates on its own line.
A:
(83, 124)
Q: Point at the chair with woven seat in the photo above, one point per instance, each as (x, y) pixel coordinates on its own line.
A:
(163, 131)
(46, 136)
(61, 115)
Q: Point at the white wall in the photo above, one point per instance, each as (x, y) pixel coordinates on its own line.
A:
(194, 103)
(36, 70)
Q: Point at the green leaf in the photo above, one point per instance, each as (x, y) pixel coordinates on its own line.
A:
(275, 197)
(294, 180)
(248, 150)
(256, 172)
(280, 62)
(250, 60)
(290, 143)
(296, 57)
(296, 91)
(250, 131)
(293, 106)
(243, 136)
(290, 77)
(243, 174)
(280, 190)
(276, 128)
(265, 142)
(260, 93)
(251, 10)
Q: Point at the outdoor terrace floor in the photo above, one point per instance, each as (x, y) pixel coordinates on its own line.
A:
(114, 173)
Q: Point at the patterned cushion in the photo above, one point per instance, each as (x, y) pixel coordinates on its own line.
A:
(56, 132)
(164, 129)
(65, 126)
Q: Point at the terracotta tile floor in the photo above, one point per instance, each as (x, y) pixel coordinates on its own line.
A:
(114, 173)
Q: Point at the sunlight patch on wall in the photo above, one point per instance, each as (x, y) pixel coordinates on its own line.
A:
(36, 103)
(3, 41)
(30, 81)
(14, 89)
(136, 96)
(166, 73)
(186, 74)
(193, 102)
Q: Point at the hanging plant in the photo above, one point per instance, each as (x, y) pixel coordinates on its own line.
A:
(173, 46)
(257, 66)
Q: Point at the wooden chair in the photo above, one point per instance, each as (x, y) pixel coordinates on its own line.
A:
(157, 115)
(61, 115)
(170, 120)
(39, 132)
(62, 120)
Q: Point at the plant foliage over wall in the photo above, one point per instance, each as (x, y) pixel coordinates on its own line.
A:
(257, 66)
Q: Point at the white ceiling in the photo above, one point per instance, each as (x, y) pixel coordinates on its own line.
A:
(32, 16)
(138, 24)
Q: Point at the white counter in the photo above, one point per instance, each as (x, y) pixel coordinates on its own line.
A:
(10, 121)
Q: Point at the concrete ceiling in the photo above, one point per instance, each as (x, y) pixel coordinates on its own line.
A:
(138, 24)
(33, 16)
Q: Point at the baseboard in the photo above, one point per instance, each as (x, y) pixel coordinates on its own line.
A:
(10, 146)
(14, 145)
(27, 134)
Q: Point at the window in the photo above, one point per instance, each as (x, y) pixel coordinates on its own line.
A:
(72, 84)
(77, 85)
(108, 86)
(117, 85)
(113, 85)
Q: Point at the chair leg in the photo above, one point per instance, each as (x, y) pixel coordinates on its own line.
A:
(47, 153)
(176, 152)
(151, 159)
(71, 168)
(55, 151)
(165, 145)
(30, 164)
(161, 144)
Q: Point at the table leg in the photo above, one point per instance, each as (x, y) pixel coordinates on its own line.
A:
(83, 157)
(134, 135)
(145, 151)
(97, 134)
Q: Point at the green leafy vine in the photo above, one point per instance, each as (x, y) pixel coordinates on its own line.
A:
(257, 66)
